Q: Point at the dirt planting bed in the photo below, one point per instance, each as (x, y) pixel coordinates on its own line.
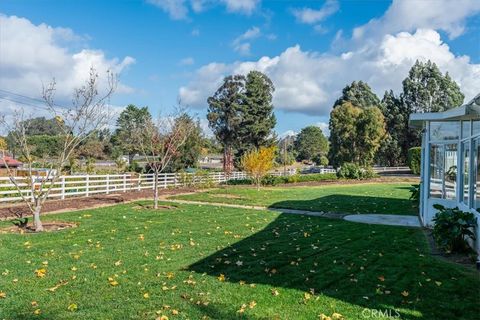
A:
(8, 211)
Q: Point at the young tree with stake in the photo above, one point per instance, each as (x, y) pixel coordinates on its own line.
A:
(85, 115)
(160, 142)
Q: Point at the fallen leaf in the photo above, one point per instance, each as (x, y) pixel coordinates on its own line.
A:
(72, 307)
(3, 295)
(40, 273)
(221, 277)
(405, 293)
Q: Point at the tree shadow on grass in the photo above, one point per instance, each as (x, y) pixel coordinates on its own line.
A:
(342, 203)
(363, 265)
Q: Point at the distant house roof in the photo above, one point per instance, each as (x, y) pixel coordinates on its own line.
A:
(469, 110)
(11, 162)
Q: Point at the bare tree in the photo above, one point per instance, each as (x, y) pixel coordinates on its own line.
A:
(160, 142)
(87, 113)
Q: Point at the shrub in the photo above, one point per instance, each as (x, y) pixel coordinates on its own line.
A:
(415, 194)
(237, 182)
(452, 228)
(414, 159)
(349, 171)
(353, 171)
(270, 180)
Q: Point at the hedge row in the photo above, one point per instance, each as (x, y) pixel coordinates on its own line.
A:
(275, 180)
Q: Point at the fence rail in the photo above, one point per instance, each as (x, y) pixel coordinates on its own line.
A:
(87, 185)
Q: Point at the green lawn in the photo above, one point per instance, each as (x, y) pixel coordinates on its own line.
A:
(388, 198)
(227, 263)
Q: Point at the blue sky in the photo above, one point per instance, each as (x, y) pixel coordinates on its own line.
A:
(166, 49)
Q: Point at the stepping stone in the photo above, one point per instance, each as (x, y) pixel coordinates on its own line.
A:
(386, 219)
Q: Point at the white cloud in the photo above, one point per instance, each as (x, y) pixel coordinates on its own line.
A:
(32, 55)
(195, 32)
(241, 6)
(312, 16)
(288, 133)
(409, 15)
(309, 82)
(241, 44)
(324, 127)
(187, 61)
(180, 9)
(176, 9)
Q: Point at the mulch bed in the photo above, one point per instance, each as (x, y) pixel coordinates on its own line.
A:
(466, 259)
(50, 226)
(71, 204)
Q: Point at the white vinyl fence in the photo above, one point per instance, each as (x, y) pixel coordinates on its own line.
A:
(87, 185)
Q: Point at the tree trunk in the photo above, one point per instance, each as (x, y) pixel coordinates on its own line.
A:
(155, 191)
(37, 223)
(227, 162)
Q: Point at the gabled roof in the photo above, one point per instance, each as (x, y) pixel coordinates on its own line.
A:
(11, 162)
(470, 110)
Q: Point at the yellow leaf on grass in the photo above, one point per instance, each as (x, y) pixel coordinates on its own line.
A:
(275, 292)
(72, 307)
(112, 282)
(3, 295)
(40, 273)
(337, 316)
(37, 311)
(146, 295)
(221, 277)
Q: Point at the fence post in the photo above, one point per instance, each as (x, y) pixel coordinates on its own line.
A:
(164, 180)
(32, 197)
(108, 184)
(63, 187)
(139, 179)
(124, 182)
(87, 185)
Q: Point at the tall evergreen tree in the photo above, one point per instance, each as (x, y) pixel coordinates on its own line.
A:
(258, 119)
(131, 120)
(355, 134)
(188, 153)
(426, 89)
(311, 144)
(359, 94)
(396, 122)
(225, 115)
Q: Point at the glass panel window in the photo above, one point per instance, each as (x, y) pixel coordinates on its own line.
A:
(436, 171)
(475, 127)
(443, 171)
(476, 174)
(450, 181)
(446, 130)
(465, 129)
(466, 171)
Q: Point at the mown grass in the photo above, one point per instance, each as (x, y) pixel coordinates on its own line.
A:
(387, 198)
(274, 266)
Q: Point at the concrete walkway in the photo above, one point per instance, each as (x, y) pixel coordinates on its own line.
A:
(385, 219)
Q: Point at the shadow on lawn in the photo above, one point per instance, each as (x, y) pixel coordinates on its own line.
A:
(342, 203)
(363, 265)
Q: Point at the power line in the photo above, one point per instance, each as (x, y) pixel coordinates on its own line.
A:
(24, 103)
(29, 98)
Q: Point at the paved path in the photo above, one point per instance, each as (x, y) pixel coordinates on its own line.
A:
(385, 219)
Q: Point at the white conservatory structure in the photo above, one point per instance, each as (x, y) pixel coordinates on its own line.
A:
(450, 168)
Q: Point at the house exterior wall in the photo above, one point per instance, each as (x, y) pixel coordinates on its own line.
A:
(440, 183)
